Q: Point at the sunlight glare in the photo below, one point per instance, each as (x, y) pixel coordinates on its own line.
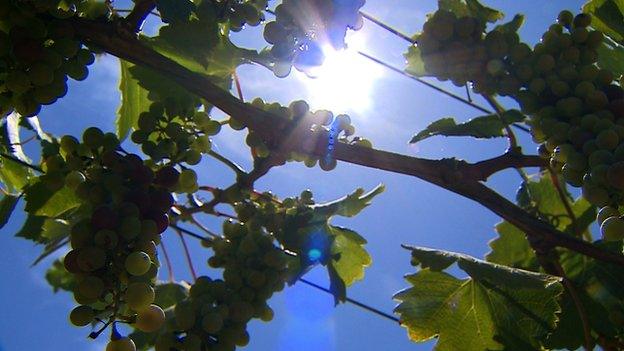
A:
(345, 80)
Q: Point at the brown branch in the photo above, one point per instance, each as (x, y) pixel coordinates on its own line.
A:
(142, 8)
(484, 169)
(448, 174)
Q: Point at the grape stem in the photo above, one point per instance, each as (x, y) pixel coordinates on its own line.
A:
(271, 127)
(167, 262)
(513, 143)
(566, 204)
(187, 254)
(235, 167)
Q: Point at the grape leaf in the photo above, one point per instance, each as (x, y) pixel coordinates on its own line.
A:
(33, 122)
(471, 7)
(12, 129)
(348, 255)
(349, 205)
(611, 56)
(13, 174)
(7, 205)
(40, 201)
(489, 126)
(59, 278)
(174, 11)
(32, 229)
(415, 63)
(133, 101)
(541, 197)
(511, 248)
(511, 26)
(607, 17)
(497, 307)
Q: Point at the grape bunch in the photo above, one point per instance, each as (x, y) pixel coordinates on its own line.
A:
(166, 132)
(303, 28)
(577, 113)
(328, 128)
(458, 49)
(215, 315)
(238, 13)
(124, 210)
(36, 57)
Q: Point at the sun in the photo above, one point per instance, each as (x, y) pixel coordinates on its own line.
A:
(345, 80)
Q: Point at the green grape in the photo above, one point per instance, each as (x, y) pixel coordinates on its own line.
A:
(81, 316)
(187, 179)
(139, 296)
(212, 323)
(137, 263)
(606, 212)
(150, 319)
(185, 315)
(122, 344)
(612, 229)
(91, 287)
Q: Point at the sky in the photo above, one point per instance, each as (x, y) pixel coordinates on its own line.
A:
(385, 108)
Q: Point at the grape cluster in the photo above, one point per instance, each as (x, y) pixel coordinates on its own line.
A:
(330, 129)
(36, 57)
(238, 13)
(458, 49)
(577, 113)
(125, 209)
(215, 315)
(166, 132)
(302, 28)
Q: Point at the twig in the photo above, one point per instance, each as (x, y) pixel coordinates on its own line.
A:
(513, 143)
(569, 285)
(564, 200)
(167, 261)
(139, 13)
(189, 260)
(189, 233)
(203, 228)
(239, 90)
(236, 168)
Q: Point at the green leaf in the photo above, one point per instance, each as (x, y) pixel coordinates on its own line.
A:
(607, 17)
(175, 11)
(59, 278)
(415, 63)
(349, 256)
(134, 101)
(489, 126)
(471, 7)
(611, 57)
(511, 248)
(7, 205)
(32, 229)
(511, 26)
(40, 201)
(169, 294)
(337, 286)
(12, 125)
(496, 308)
(349, 205)
(13, 174)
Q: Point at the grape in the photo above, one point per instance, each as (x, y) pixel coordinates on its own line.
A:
(123, 344)
(606, 212)
(139, 296)
(150, 319)
(91, 287)
(612, 229)
(212, 323)
(81, 316)
(137, 263)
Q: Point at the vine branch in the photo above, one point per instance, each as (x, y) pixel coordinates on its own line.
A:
(444, 173)
(139, 13)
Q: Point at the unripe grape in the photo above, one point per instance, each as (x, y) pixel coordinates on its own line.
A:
(139, 296)
(150, 319)
(81, 316)
(612, 229)
(137, 263)
(123, 344)
(606, 212)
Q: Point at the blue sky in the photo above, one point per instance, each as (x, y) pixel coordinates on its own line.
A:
(387, 110)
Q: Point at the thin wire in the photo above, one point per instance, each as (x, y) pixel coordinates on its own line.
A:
(357, 303)
(307, 282)
(388, 28)
(424, 82)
